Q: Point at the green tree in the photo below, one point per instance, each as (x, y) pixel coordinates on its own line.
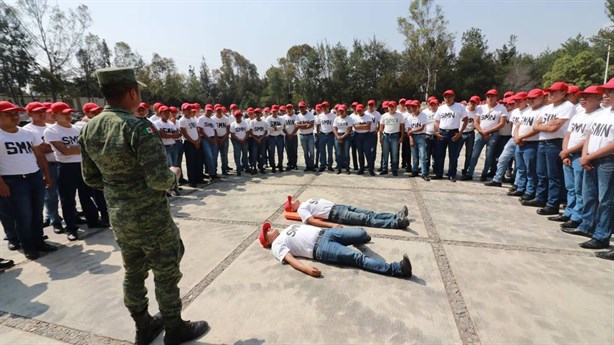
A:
(475, 66)
(125, 57)
(304, 68)
(582, 70)
(57, 34)
(237, 80)
(427, 40)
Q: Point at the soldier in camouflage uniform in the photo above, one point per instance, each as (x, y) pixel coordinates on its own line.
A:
(124, 156)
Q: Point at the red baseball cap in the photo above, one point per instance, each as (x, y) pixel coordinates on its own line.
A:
(88, 107)
(173, 109)
(250, 110)
(449, 92)
(402, 101)
(520, 96)
(302, 104)
(195, 106)
(257, 110)
(342, 107)
(61, 107)
(282, 108)
(508, 94)
(475, 99)
(592, 90)
(209, 107)
(34, 107)
(238, 113)
(185, 106)
(8, 106)
(371, 102)
(288, 204)
(318, 106)
(162, 108)
(493, 92)
(609, 84)
(274, 107)
(510, 100)
(289, 106)
(262, 237)
(143, 105)
(267, 109)
(385, 104)
(157, 105)
(325, 104)
(408, 102)
(360, 107)
(217, 107)
(535, 93)
(224, 110)
(232, 106)
(415, 103)
(558, 86)
(354, 104)
(434, 101)
(392, 104)
(573, 89)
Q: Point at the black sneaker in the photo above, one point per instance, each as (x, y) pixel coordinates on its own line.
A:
(46, 223)
(426, 178)
(403, 213)
(406, 266)
(534, 203)
(493, 184)
(72, 236)
(32, 254)
(403, 223)
(384, 172)
(394, 173)
(371, 172)
(14, 245)
(466, 178)
(321, 169)
(46, 247)
(6, 264)
(483, 179)
(515, 193)
(360, 172)
(347, 172)
(338, 172)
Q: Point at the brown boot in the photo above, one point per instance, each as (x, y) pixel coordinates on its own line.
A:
(147, 327)
(179, 331)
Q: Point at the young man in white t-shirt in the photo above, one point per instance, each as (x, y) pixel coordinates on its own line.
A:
(377, 117)
(258, 132)
(90, 110)
(275, 130)
(22, 183)
(526, 140)
(467, 139)
(168, 132)
(191, 145)
(239, 136)
(342, 130)
(221, 127)
(38, 113)
(326, 137)
(326, 245)
(577, 131)
(598, 187)
(488, 119)
(414, 124)
(208, 141)
(305, 124)
(291, 139)
(363, 123)
(552, 127)
(326, 214)
(392, 132)
(63, 138)
(429, 133)
(450, 123)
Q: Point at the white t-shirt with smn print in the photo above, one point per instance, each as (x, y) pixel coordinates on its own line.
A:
(17, 152)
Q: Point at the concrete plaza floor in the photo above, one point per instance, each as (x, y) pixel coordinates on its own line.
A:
(486, 270)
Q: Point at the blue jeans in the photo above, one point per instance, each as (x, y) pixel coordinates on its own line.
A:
(549, 172)
(343, 154)
(333, 248)
(574, 175)
(51, 196)
(170, 154)
(209, 161)
(526, 163)
(292, 151)
(276, 142)
(598, 198)
(221, 150)
(350, 215)
(418, 152)
(326, 141)
(390, 146)
(479, 144)
(509, 150)
(307, 143)
(240, 154)
(24, 209)
(440, 153)
(468, 140)
(364, 142)
(257, 154)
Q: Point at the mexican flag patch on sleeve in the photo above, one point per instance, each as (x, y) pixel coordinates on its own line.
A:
(150, 130)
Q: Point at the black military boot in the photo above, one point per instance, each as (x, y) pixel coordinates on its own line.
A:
(179, 331)
(147, 327)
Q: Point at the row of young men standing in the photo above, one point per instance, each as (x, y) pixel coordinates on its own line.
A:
(47, 146)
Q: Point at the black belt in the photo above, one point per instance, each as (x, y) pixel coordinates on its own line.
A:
(21, 175)
(557, 140)
(315, 247)
(50, 163)
(448, 130)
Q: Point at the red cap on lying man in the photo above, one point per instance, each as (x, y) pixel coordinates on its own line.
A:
(262, 237)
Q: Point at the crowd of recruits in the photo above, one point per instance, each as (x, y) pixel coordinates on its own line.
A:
(562, 149)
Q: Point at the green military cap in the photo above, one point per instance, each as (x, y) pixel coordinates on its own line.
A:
(117, 75)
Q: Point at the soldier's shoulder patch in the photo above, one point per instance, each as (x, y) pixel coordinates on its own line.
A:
(149, 130)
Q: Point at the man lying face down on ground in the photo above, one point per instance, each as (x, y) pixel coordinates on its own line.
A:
(326, 245)
(326, 214)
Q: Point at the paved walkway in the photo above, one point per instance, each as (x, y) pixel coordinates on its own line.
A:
(486, 270)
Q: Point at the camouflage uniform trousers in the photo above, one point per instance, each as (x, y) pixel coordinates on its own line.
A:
(162, 254)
